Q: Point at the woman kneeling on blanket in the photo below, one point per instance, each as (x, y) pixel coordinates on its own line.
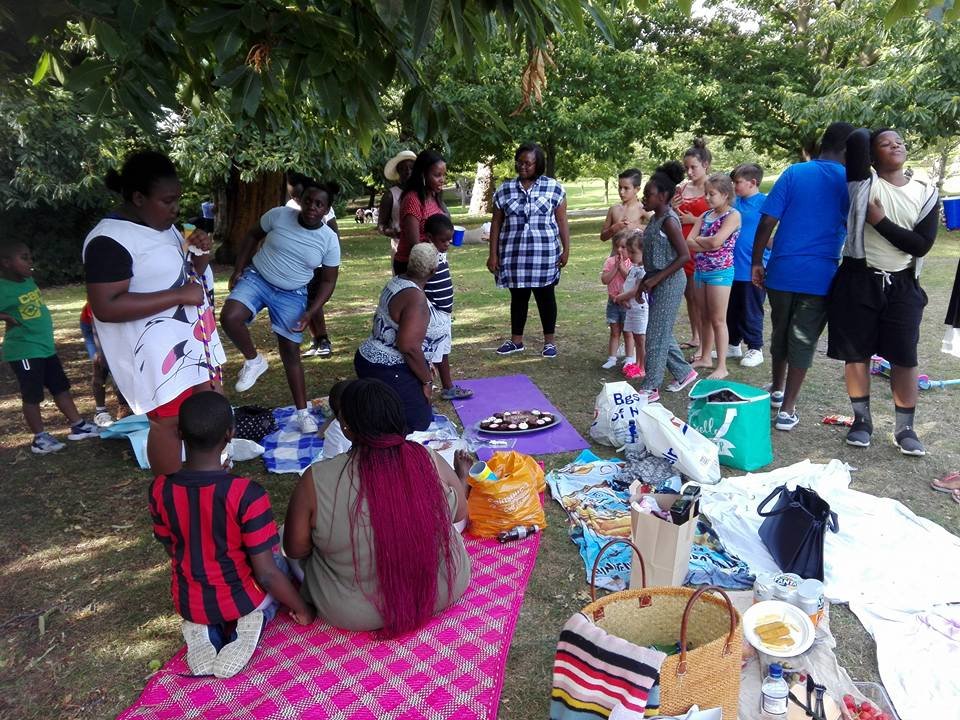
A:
(374, 527)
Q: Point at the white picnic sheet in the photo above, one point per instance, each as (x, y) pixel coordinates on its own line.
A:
(897, 571)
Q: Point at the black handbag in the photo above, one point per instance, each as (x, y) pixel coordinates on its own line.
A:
(252, 422)
(795, 529)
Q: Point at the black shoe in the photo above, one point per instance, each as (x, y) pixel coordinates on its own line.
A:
(859, 434)
(324, 348)
(909, 443)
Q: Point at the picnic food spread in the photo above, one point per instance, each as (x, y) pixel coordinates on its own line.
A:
(513, 421)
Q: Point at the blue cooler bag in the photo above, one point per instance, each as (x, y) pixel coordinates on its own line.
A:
(736, 417)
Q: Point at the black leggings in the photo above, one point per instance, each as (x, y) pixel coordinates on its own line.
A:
(546, 305)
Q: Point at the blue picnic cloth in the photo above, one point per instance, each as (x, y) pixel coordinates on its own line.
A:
(288, 450)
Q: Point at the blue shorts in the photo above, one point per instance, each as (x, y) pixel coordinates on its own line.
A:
(87, 331)
(616, 314)
(714, 277)
(286, 307)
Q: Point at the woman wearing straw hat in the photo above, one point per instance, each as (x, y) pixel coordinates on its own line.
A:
(397, 170)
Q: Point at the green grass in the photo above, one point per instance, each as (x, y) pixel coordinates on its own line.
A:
(75, 543)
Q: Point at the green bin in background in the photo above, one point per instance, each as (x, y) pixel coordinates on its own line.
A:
(736, 417)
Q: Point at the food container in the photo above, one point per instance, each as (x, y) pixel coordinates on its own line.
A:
(763, 587)
(810, 599)
(877, 695)
(785, 587)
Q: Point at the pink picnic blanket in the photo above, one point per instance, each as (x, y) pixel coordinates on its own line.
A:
(452, 668)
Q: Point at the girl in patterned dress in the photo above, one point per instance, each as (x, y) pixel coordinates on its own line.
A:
(529, 243)
(713, 238)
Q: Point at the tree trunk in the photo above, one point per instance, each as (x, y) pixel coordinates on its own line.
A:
(938, 173)
(239, 207)
(606, 190)
(549, 150)
(481, 201)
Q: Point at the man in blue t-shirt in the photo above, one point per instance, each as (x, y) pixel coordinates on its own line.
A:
(809, 201)
(745, 308)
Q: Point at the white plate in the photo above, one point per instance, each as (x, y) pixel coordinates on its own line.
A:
(801, 628)
(538, 428)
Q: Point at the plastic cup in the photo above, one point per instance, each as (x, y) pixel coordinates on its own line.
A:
(480, 472)
(458, 233)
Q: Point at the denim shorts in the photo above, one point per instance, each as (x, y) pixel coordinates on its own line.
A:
(286, 307)
(91, 346)
(616, 314)
(714, 277)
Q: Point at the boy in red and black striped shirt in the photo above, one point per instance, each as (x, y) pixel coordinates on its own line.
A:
(219, 532)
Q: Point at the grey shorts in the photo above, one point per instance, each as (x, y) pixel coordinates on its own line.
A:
(798, 320)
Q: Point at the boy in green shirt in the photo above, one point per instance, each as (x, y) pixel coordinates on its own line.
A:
(28, 347)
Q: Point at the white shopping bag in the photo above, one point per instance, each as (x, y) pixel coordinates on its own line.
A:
(616, 414)
(669, 437)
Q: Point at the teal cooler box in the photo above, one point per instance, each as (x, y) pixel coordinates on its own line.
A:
(736, 417)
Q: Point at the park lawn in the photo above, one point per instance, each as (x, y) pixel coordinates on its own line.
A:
(85, 588)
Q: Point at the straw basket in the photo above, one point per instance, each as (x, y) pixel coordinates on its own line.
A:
(708, 674)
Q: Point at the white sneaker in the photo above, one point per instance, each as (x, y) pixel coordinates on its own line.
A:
(251, 370)
(308, 426)
(734, 351)
(752, 358)
(83, 430)
(103, 419)
(611, 361)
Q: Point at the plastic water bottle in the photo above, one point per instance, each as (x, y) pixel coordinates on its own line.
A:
(517, 533)
(773, 693)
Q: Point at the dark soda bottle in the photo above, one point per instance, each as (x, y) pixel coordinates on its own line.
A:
(518, 533)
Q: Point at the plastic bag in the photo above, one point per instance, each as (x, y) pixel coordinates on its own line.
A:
(512, 500)
(615, 414)
(669, 437)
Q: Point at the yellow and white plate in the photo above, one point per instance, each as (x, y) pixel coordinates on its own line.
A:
(802, 631)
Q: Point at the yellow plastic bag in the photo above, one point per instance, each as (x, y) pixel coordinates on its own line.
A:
(514, 499)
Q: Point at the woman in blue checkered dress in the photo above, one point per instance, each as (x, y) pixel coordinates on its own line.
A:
(529, 243)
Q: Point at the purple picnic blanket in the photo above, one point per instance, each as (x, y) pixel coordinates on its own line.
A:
(516, 392)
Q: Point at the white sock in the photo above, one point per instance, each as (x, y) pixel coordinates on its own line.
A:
(630, 359)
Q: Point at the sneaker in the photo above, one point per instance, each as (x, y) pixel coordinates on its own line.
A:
(103, 419)
(251, 370)
(324, 348)
(611, 362)
(678, 385)
(201, 653)
(308, 426)
(734, 351)
(651, 395)
(786, 421)
(549, 350)
(776, 396)
(83, 430)
(752, 358)
(909, 443)
(44, 443)
(633, 371)
(233, 657)
(859, 434)
(310, 351)
(456, 393)
(509, 348)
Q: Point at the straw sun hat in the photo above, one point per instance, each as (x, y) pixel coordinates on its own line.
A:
(390, 169)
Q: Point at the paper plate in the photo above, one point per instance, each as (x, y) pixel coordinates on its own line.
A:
(802, 631)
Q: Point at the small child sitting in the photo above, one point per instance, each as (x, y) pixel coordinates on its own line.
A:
(334, 441)
(218, 529)
(28, 347)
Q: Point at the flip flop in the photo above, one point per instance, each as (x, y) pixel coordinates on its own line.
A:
(949, 483)
(689, 345)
